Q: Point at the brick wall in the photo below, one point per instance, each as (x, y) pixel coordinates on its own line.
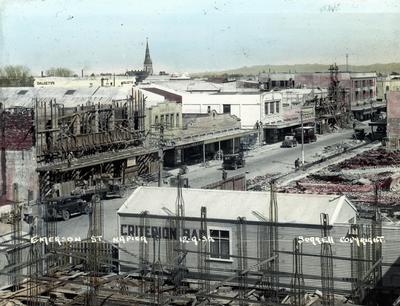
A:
(18, 129)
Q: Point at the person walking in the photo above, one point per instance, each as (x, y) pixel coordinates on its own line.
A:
(297, 164)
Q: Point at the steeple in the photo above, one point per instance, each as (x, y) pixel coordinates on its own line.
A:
(148, 64)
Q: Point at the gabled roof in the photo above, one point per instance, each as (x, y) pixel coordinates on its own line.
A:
(229, 205)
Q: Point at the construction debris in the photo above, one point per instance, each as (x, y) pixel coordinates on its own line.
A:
(372, 158)
(357, 178)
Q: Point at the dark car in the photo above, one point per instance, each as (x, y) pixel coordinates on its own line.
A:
(233, 161)
(65, 207)
(289, 142)
(309, 134)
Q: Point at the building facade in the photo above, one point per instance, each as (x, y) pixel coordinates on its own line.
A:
(393, 120)
(358, 90)
(236, 223)
(95, 81)
(386, 84)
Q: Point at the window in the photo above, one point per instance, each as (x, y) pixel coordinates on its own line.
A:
(70, 92)
(220, 248)
(208, 109)
(277, 106)
(177, 120)
(266, 108)
(166, 120)
(156, 119)
(272, 107)
(226, 108)
(387, 88)
(162, 119)
(172, 121)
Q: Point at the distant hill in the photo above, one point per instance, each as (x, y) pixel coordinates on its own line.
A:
(253, 70)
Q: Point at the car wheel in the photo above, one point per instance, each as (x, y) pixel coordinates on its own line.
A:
(65, 215)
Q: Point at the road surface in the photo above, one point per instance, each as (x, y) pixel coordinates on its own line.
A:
(270, 159)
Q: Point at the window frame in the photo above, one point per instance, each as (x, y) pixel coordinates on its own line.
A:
(266, 108)
(217, 228)
(225, 107)
(272, 108)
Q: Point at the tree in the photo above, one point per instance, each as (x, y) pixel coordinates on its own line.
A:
(15, 72)
(59, 72)
(15, 75)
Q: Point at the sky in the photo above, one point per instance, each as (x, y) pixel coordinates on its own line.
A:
(196, 35)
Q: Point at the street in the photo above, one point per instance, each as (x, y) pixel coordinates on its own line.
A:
(267, 159)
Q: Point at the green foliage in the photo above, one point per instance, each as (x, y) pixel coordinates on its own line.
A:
(59, 72)
(15, 76)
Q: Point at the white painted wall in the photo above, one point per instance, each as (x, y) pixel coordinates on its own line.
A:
(21, 169)
(286, 234)
(247, 107)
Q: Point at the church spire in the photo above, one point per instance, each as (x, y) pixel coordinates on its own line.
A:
(148, 64)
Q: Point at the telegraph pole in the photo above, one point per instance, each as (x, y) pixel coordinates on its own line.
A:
(302, 137)
(161, 156)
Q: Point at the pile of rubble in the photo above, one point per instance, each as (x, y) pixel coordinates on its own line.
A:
(261, 182)
(357, 178)
(373, 158)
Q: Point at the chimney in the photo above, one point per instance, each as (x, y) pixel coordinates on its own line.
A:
(82, 73)
(42, 74)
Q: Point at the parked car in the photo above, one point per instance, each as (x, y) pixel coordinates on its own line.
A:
(233, 161)
(289, 142)
(309, 134)
(64, 207)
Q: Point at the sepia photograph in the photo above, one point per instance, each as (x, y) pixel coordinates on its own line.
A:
(199, 152)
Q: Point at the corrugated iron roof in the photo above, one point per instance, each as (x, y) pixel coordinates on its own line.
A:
(70, 97)
(228, 204)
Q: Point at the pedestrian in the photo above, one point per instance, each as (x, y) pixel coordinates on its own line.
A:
(224, 175)
(297, 164)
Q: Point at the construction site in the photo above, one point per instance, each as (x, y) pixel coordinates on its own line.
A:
(327, 235)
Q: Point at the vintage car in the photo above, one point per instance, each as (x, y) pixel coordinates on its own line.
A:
(308, 132)
(289, 142)
(64, 207)
(233, 161)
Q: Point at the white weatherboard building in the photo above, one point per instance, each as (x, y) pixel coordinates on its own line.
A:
(298, 215)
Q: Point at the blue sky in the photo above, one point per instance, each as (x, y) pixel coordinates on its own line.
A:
(188, 35)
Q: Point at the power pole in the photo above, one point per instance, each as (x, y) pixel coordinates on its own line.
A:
(161, 156)
(302, 137)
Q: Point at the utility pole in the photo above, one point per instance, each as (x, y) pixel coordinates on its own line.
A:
(161, 156)
(302, 137)
(3, 168)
